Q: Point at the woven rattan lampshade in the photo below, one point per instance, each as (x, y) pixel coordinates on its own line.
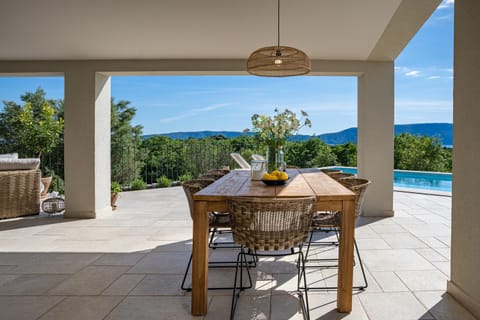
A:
(278, 61)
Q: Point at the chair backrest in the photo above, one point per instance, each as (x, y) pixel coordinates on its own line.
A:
(257, 157)
(214, 174)
(341, 175)
(269, 224)
(240, 160)
(330, 171)
(359, 186)
(191, 187)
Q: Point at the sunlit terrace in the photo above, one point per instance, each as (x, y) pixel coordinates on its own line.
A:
(130, 265)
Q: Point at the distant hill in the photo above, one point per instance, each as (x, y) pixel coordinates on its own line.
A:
(444, 131)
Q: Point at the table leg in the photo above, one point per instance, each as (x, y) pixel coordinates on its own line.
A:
(345, 268)
(200, 259)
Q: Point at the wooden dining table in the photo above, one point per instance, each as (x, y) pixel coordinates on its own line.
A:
(330, 195)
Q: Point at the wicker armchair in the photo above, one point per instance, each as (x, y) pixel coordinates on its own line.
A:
(330, 171)
(19, 193)
(216, 220)
(265, 226)
(330, 221)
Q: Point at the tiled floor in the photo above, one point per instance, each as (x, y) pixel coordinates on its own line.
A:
(129, 265)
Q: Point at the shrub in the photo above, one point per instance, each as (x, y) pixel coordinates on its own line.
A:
(163, 182)
(185, 177)
(115, 187)
(138, 184)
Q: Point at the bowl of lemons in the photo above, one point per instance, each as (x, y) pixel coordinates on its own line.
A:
(276, 178)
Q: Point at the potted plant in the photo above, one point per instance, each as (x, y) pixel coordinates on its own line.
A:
(115, 189)
(273, 132)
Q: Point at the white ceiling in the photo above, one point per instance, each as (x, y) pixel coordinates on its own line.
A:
(201, 29)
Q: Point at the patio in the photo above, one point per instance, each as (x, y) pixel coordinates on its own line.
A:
(129, 265)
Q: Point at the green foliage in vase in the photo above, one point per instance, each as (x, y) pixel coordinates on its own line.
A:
(275, 130)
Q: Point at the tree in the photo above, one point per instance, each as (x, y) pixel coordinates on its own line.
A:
(346, 154)
(34, 128)
(311, 153)
(126, 156)
(420, 153)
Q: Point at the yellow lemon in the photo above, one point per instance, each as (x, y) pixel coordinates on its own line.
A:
(276, 173)
(283, 176)
(267, 176)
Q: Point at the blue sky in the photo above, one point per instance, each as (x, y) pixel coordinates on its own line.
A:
(423, 91)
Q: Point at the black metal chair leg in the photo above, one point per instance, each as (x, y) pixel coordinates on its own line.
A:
(361, 267)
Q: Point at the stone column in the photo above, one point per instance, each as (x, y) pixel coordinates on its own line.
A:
(87, 143)
(464, 282)
(375, 136)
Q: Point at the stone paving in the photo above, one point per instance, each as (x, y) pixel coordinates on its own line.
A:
(129, 265)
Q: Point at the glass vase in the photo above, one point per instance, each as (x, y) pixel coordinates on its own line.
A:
(275, 158)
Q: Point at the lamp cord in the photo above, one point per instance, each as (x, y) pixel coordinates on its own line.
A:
(278, 23)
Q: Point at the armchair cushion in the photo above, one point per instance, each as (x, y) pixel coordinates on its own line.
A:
(9, 164)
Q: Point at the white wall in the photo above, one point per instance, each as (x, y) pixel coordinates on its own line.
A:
(376, 136)
(465, 259)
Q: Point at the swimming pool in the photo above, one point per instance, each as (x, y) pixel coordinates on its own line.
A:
(436, 181)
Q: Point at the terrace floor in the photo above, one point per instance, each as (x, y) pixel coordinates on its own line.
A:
(129, 265)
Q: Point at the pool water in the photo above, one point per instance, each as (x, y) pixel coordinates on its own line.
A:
(436, 181)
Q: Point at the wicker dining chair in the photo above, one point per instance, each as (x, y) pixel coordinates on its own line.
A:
(216, 220)
(341, 175)
(330, 221)
(330, 171)
(270, 227)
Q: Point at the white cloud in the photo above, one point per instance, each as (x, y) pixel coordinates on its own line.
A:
(194, 112)
(413, 73)
(433, 77)
(446, 4)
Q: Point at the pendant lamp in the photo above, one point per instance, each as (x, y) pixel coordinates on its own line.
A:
(278, 61)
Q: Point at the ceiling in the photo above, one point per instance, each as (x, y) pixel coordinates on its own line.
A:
(206, 29)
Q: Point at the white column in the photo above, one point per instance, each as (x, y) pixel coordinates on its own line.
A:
(465, 258)
(375, 136)
(87, 143)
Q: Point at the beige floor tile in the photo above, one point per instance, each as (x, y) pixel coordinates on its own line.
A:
(444, 267)
(445, 252)
(324, 306)
(433, 242)
(161, 284)
(428, 230)
(368, 243)
(57, 263)
(287, 306)
(443, 307)
(31, 284)
(26, 308)
(389, 229)
(403, 241)
(92, 280)
(389, 281)
(82, 308)
(431, 255)
(169, 308)
(162, 262)
(423, 280)
(394, 260)
(119, 259)
(393, 306)
(123, 285)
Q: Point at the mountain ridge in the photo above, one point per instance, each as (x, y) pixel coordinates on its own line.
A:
(443, 131)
